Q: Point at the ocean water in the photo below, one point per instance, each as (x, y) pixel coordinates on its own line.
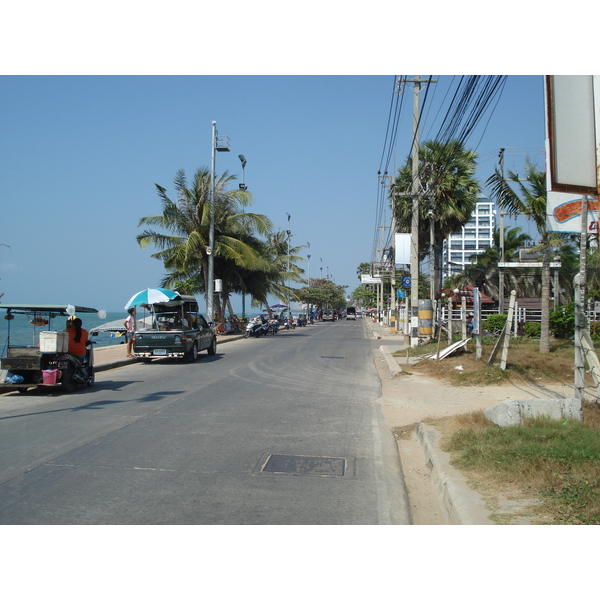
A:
(22, 333)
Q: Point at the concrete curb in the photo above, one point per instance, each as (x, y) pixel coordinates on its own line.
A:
(391, 362)
(461, 504)
(122, 362)
(128, 361)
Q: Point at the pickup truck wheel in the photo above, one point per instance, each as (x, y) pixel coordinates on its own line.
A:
(212, 349)
(192, 355)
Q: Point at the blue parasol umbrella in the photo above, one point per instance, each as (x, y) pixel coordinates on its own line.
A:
(278, 306)
(151, 296)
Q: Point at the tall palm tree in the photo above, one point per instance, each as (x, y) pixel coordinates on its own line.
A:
(483, 270)
(528, 197)
(448, 198)
(183, 249)
(363, 269)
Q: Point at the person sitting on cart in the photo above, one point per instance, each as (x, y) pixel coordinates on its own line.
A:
(78, 338)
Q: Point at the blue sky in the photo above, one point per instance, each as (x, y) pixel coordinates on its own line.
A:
(80, 156)
(93, 114)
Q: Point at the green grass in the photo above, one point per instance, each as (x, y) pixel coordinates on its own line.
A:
(557, 462)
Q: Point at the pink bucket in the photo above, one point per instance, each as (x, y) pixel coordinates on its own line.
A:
(50, 376)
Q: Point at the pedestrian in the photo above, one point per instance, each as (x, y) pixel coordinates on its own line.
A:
(78, 338)
(470, 323)
(130, 328)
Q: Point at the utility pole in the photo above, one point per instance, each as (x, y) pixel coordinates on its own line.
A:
(501, 269)
(414, 227)
(580, 286)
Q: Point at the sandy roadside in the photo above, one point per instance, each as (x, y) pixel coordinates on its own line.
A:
(409, 399)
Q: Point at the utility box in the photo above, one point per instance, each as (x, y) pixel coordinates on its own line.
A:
(54, 341)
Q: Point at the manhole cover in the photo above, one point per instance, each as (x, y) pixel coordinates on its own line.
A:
(305, 465)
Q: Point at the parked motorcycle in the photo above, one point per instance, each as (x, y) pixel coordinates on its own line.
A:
(289, 324)
(273, 326)
(256, 327)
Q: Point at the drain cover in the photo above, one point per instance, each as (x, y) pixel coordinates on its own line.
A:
(323, 466)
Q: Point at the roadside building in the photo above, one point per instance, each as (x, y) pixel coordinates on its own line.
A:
(474, 237)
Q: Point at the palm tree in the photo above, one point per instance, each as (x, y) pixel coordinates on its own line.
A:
(363, 269)
(183, 249)
(483, 270)
(448, 198)
(273, 277)
(528, 197)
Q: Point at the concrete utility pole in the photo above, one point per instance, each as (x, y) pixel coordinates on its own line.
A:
(501, 269)
(580, 285)
(414, 227)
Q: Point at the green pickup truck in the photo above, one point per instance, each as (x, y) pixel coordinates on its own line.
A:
(175, 329)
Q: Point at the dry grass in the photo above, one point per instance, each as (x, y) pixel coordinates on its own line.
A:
(524, 363)
(551, 468)
(555, 465)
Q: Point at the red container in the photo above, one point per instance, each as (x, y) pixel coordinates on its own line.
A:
(50, 376)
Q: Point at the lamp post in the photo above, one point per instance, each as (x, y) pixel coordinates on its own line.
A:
(289, 232)
(308, 305)
(243, 160)
(218, 145)
(243, 187)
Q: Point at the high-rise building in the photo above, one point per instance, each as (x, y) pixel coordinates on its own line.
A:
(474, 237)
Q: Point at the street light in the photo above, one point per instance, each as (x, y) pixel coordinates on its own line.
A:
(289, 232)
(243, 187)
(219, 144)
(308, 304)
(242, 158)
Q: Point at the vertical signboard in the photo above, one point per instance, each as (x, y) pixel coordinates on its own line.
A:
(402, 248)
(572, 127)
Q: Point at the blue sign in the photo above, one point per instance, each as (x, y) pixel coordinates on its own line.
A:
(406, 281)
(401, 294)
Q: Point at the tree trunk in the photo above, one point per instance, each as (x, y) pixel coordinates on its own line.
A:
(545, 332)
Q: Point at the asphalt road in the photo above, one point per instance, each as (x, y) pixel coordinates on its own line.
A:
(279, 430)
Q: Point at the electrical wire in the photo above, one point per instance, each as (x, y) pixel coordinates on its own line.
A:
(470, 101)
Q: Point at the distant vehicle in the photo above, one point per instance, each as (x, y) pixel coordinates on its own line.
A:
(351, 313)
(328, 314)
(178, 330)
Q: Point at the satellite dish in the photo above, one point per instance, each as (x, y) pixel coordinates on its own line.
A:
(102, 314)
(70, 310)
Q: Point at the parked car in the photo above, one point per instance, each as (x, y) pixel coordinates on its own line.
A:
(177, 329)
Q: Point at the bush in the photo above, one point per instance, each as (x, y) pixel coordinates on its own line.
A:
(532, 329)
(562, 321)
(495, 322)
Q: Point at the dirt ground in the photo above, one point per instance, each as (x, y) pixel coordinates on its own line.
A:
(409, 399)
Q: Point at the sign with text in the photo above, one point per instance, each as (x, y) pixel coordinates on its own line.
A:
(368, 279)
(563, 212)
